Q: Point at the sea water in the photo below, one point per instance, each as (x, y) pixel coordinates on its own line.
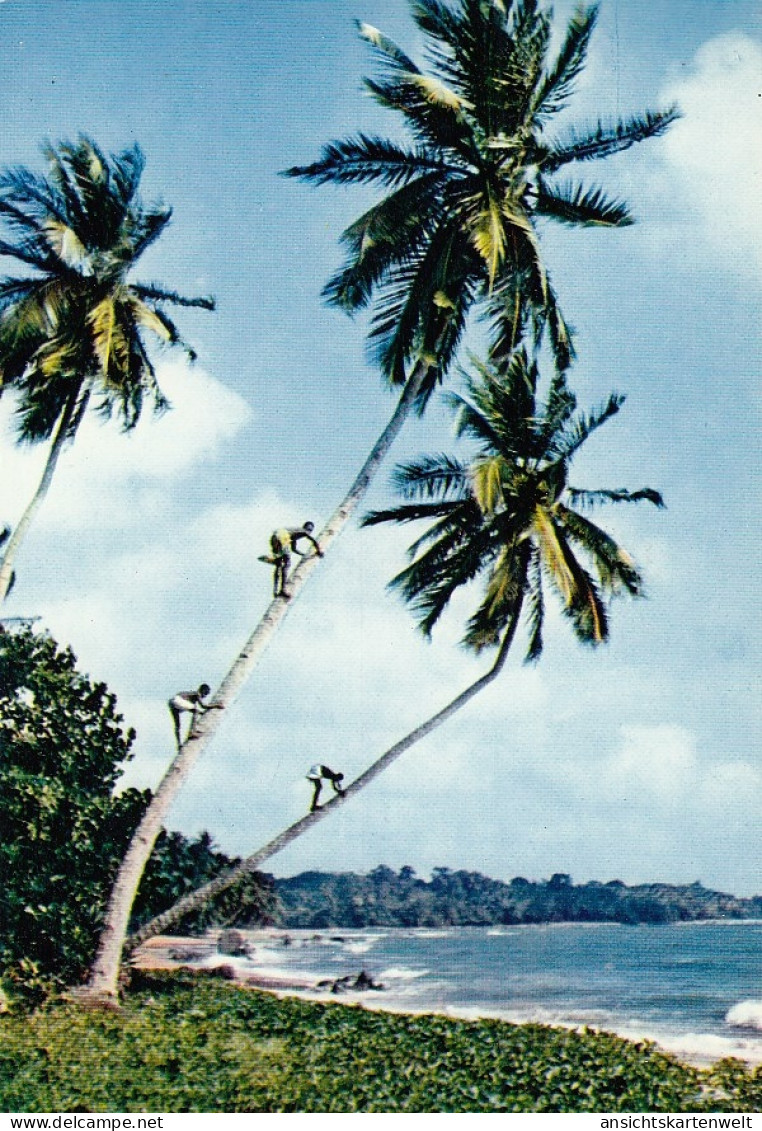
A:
(694, 988)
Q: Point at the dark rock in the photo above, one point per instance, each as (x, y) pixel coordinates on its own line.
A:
(364, 981)
(183, 955)
(233, 943)
(228, 973)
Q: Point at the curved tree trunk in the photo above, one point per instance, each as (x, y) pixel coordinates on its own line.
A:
(197, 899)
(71, 418)
(102, 985)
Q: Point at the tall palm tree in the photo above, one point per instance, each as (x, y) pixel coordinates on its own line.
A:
(460, 222)
(509, 519)
(72, 326)
(457, 230)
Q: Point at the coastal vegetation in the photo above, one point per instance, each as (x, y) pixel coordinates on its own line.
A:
(63, 749)
(385, 898)
(191, 1043)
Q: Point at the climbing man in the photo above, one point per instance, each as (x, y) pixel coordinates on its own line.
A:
(316, 775)
(282, 542)
(193, 703)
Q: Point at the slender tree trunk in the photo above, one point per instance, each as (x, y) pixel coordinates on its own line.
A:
(102, 985)
(71, 417)
(197, 899)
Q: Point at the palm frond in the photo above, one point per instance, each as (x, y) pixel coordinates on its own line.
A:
(367, 160)
(154, 293)
(586, 498)
(535, 607)
(386, 237)
(503, 598)
(582, 207)
(432, 477)
(410, 512)
(614, 565)
(606, 140)
(429, 583)
(431, 108)
(577, 431)
(582, 601)
(410, 322)
(555, 557)
(388, 54)
(553, 91)
(487, 477)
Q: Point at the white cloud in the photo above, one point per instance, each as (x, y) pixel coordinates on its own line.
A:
(715, 151)
(109, 479)
(655, 762)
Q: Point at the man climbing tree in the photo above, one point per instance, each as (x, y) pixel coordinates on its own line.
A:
(316, 775)
(282, 542)
(193, 703)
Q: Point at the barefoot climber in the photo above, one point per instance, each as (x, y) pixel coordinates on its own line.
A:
(316, 775)
(282, 542)
(193, 703)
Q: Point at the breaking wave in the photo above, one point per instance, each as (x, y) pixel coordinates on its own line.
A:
(746, 1015)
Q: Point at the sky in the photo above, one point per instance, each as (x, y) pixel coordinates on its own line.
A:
(637, 761)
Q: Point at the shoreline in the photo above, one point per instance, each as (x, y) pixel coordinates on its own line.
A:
(260, 970)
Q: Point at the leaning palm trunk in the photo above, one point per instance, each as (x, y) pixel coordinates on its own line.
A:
(104, 975)
(197, 899)
(67, 426)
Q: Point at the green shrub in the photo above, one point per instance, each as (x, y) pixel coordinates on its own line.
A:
(62, 751)
(190, 1043)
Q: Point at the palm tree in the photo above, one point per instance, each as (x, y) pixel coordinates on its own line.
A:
(509, 518)
(457, 230)
(72, 327)
(460, 222)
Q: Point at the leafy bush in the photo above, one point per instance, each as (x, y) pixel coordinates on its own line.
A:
(179, 865)
(62, 750)
(190, 1043)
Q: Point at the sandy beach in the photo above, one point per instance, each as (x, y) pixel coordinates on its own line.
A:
(266, 966)
(176, 952)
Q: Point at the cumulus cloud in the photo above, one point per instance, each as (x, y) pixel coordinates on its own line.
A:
(109, 479)
(658, 768)
(656, 762)
(715, 151)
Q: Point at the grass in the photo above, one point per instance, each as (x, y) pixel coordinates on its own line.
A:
(190, 1043)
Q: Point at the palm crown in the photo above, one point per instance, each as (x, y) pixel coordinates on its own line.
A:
(72, 320)
(460, 221)
(511, 516)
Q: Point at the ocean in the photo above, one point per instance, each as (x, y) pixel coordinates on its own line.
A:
(694, 988)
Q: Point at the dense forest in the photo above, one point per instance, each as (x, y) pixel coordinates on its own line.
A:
(460, 898)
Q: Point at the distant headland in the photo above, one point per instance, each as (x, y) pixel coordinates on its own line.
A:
(385, 898)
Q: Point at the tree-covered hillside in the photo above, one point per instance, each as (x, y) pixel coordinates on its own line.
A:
(459, 898)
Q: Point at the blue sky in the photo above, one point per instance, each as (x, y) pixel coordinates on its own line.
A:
(639, 761)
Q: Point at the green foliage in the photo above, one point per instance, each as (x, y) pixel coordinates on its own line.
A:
(509, 517)
(190, 1044)
(178, 866)
(385, 898)
(71, 317)
(62, 749)
(456, 223)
